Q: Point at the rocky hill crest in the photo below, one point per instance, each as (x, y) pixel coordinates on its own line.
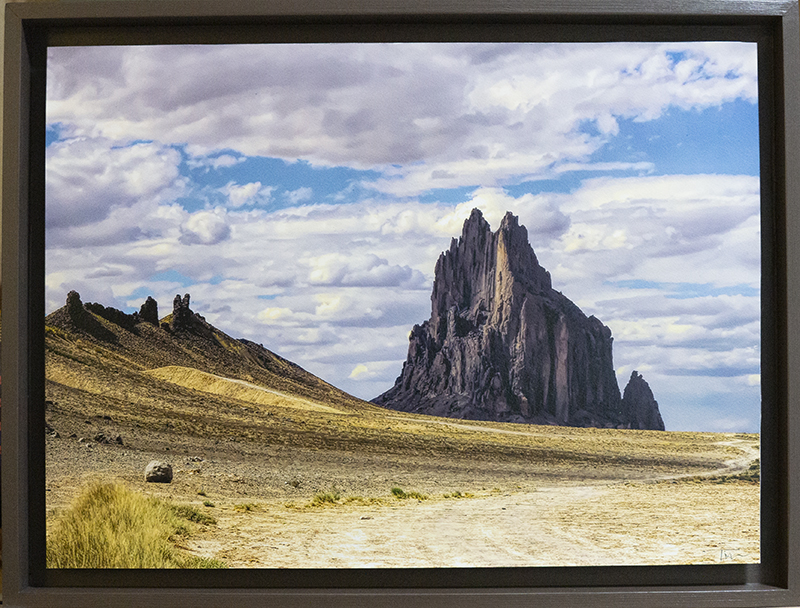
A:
(502, 344)
(141, 341)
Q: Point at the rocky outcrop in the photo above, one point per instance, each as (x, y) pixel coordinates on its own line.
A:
(181, 314)
(639, 404)
(75, 315)
(114, 315)
(149, 311)
(502, 344)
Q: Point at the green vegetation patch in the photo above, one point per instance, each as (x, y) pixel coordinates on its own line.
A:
(401, 494)
(110, 526)
(459, 494)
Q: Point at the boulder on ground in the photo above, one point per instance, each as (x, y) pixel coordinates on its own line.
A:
(158, 472)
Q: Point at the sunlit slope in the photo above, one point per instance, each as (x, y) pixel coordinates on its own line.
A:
(96, 345)
(235, 389)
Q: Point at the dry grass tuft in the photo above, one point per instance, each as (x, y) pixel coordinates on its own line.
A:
(110, 526)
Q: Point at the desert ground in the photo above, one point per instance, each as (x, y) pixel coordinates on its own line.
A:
(293, 485)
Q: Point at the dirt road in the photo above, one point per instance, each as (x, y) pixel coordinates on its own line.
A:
(621, 524)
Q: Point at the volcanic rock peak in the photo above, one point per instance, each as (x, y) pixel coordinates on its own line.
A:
(502, 344)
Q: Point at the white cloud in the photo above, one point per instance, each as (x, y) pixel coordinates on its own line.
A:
(428, 115)
(336, 288)
(205, 228)
(301, 195)
(240, 195)
(96, 191)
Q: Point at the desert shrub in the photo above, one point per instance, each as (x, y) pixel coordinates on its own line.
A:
(325, 498)
(459, 494)
(110, 526)
(245, 507)
(402, 494)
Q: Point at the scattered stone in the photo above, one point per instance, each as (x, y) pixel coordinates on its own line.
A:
(106, 440)
(158, 472)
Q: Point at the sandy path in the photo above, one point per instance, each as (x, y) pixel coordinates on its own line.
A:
(584, 525)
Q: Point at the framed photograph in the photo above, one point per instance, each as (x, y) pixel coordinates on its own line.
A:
(442, 304)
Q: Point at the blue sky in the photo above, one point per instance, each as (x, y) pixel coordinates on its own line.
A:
(302, 194)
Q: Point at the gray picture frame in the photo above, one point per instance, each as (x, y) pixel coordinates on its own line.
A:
(30, 28)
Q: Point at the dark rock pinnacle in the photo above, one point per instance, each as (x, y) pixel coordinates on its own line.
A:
(502, 344)
(149, 311)
(181, 314)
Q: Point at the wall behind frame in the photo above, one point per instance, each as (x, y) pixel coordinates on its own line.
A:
(2, 46)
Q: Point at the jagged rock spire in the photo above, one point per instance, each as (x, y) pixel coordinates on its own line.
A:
(149, 311)
(640, 405)
(181, 313)
(502, 344)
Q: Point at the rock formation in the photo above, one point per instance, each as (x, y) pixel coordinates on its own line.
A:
(78, 318)
(639, 404)
(181, 314)
(502, 344)
(149, 311)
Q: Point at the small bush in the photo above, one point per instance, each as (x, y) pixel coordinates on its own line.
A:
(109, 526)
(208, 503)
(325, 498)
(402, 494)
(245, 507)
(459, 494)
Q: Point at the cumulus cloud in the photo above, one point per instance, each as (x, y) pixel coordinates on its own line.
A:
(430, 115)
(240, 195)
(336, 287)
(95, 190)
(205, 228)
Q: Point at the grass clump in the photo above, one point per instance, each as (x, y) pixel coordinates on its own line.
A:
(110, 526)
(190, 513)
(245, 507)
(401, 494)
(325, 498)
(459, 494)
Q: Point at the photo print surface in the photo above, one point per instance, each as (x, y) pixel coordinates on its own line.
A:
(377, 305)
